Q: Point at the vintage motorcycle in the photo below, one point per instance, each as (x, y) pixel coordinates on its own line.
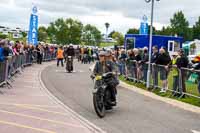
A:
(104, 94)
(69, 64)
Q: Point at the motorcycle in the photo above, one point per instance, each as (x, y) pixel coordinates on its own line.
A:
(103, 97)
(69, 64)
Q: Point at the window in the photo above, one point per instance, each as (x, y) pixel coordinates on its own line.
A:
(171, 45)
(130, 43)
(176, 46)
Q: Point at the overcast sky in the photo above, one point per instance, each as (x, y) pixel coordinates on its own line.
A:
(121, 14)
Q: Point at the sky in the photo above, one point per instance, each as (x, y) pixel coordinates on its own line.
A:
(121, 14)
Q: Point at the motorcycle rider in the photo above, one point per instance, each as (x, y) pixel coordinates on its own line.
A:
(70, 52)
(104, 66)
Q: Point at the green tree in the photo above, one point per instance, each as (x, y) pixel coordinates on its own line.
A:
(166, 31)
(111, 33)
(74, 31)
(180, 26)
(61, 31)
(42, 34)
(155, 32)
(2, 36)
(65, 31)
(196, 30)
(51, 31)
(118, 37)
(24, 34)
(133, 31)
(91, 35)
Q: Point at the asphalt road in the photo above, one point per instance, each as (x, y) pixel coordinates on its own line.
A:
(135, 113)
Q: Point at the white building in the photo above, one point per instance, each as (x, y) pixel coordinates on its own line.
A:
(16, 32)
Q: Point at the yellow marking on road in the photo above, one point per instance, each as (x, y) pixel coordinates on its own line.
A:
(34, 105)
(44, 110)
(42, 119)
(25, 126)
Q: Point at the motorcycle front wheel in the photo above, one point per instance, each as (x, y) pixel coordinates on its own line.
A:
(99, 105)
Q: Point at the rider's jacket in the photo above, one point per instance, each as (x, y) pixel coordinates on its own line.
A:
(103, 67)
(70, 51)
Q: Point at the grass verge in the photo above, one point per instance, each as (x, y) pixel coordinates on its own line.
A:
(187, 99)
(106, 44)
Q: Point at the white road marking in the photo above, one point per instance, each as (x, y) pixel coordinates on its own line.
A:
(194, 131)
(81, 71)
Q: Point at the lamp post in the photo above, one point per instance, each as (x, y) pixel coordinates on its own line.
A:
(150, 41)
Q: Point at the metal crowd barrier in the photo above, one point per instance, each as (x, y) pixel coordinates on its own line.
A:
(184, 82)
(15, 64)
(48, 56)
(3, 73)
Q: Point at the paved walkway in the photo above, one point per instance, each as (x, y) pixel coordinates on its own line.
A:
(26, 108)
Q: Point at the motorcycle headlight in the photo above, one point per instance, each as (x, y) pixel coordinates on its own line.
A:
(98, 78)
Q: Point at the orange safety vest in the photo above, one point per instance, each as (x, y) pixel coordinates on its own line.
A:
(60, 54)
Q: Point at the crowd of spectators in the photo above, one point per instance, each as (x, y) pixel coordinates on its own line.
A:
(133, 64)
(39, 52)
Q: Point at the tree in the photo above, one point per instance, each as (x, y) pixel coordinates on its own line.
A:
(166, 31)
(24, 34)
(51, 31)
(91, 35)
(74, 31)
(180, 26)
(154, 30)
(133, 31)
(107, 25)
(196, 30)
(61, 31)
(42, 34)
(65, 31)
(118, 37)
(111, 33)
(2, 36)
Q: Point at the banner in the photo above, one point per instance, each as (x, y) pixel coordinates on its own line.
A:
(33, 27)
(144, 28)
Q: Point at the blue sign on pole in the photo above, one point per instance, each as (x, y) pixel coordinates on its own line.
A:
(144, 29)
(33, 28)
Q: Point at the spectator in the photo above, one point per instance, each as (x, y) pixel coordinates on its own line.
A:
(163, 60)
(7, 50)
(131, 65)
(60, 56)
(39, 54)
(138, 59)
(175, 73)
(182, 62)
(90, 53)
(145, 59)
(154, 58)
(1, 51)
(122, 62)
(15, 48)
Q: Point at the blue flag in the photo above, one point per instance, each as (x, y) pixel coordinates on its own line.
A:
(144, 29)
(33, 27)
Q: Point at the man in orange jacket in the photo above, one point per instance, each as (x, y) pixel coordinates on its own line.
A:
(60, 56)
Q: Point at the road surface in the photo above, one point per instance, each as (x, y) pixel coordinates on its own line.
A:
(135, 113)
